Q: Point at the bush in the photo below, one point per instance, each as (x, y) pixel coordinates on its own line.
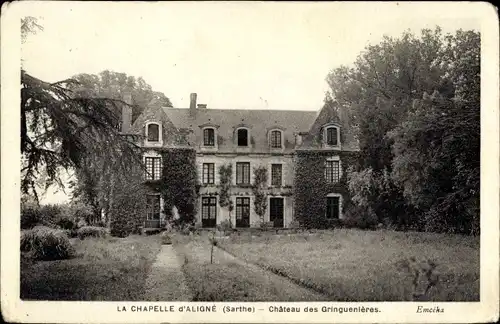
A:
(66, 223)
(224, 226)
(30, 215)
(49, 214)
(362, 218)
(165, 238)
(91, 231)
(186, 230)
(44, 243)
(70, 232)
(80, 214)
(265, 226)
(33, 214)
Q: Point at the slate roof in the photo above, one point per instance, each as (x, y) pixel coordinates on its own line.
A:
(259, 123)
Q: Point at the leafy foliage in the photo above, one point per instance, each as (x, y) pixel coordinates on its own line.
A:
(311, 188)
(91, 231)
(127, 201)
(226, 174)
(61, 131)
(110, 84)
(178, 184)
(421, 150)
(225, 226)
(45, 243)
(259, 191)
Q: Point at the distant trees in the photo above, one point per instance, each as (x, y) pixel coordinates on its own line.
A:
(109, 84)
(414, 102)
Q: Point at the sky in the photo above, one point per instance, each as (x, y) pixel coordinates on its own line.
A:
(233, 55)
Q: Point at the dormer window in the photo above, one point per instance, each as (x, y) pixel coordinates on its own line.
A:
(275, 139)
(242, 137)
(332, 136)
(209, 137)
(153, 132)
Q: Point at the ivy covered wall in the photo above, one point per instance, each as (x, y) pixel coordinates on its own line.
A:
(178, 185)
(311, 188)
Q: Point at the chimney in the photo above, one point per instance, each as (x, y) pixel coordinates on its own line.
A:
(126, 113)
(202, 106)
(192, 105)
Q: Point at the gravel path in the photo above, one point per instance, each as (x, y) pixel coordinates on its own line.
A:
(166, 280)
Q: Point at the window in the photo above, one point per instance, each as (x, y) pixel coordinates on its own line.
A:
(332, 136)
(332, 171)
(153, 132)
(208, 211)
(276, 175)
(153, 207)
(243, 173)
(209, 137)
(153, 168)
(332, 207)
(276, 139)
(208, 173)
(242, 212)
(242, 137)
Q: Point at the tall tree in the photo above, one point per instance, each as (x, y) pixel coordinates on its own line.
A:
(437, 147)
(109, 84)
(384, 78)
(61, 131)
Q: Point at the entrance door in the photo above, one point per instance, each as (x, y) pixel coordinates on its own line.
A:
(242, 212)
(276, 211)
(152, 211)
(208, 211)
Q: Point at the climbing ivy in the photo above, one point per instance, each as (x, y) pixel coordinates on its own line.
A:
(226, 173)
(259, 191)
(311, 188)
(178, 185)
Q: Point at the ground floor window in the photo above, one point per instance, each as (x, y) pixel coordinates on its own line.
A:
(209, 211)
(242, 212)
(332, 207)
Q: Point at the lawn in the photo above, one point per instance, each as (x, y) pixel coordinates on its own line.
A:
(227, 279)
(111, 269)
(354, 265)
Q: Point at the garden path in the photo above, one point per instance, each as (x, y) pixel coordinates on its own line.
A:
(166, 280)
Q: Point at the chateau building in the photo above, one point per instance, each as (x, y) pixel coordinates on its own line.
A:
(244, 140)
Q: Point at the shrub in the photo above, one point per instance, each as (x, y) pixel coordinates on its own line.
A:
(165, 238)
(44, 243)
(80, 213)
(49, 214)
(362, 218)
(186, 230)
(70, 232)
(224, 226)
(265, 226)
(30, 215)
(91, 231)
(66, 223)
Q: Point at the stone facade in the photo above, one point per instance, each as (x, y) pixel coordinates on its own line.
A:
(294, 131)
